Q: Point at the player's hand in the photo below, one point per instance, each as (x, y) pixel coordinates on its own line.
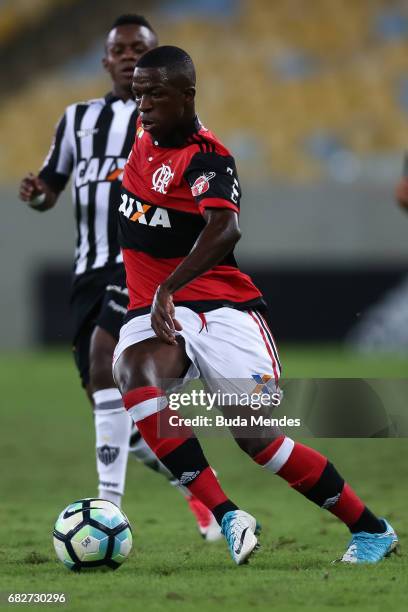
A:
(163, 316)
(401, 193)
(30, 188)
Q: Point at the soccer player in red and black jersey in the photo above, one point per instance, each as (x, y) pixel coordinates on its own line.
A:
(92, 142)
(193, 313)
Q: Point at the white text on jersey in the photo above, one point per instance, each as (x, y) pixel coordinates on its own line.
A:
(96, 169)
(134, 210)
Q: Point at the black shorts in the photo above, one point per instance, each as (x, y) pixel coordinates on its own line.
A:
(98, 298)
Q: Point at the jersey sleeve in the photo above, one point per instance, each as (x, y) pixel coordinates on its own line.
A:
(57, 166)
(214, 181)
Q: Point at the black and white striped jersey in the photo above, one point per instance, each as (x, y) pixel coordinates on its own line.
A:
(92, 141)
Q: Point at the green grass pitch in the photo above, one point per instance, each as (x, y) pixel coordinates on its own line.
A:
(47, 461)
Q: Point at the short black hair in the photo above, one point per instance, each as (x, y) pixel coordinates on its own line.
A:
(132, 19)
(171, 58)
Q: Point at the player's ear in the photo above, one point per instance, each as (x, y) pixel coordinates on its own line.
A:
(105, 63)
(189, 94)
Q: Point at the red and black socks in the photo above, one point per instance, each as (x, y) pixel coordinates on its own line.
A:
(177, 447)
(310, 473)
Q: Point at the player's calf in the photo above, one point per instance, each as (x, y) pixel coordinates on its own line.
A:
(310, 473)
(181, 453)
(206, 523)
(101, 350)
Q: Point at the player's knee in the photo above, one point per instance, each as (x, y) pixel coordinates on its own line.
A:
(100, 373)
(88, 391)
(148, 363)
(249, 446)
(100, 360)
(253, 446)
(134, 370)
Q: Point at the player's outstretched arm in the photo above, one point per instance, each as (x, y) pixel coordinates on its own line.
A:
(217, 239)
(36, 193)
(401, 193)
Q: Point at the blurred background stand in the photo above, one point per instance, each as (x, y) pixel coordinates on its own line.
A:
(311, 97)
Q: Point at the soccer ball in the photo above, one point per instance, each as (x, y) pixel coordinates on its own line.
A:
(92, 533)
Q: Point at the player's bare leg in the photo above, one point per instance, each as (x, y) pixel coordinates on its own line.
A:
(139, 372)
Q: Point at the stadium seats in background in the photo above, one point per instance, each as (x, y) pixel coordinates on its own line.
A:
(301, 90)
(17, 14)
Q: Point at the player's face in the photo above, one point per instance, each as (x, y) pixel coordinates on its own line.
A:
(124, 45)
(163, 106)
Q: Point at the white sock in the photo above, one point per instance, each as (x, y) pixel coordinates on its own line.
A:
(112, 428)
(116, 498)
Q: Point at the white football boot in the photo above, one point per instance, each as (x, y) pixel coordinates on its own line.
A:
(240, 529)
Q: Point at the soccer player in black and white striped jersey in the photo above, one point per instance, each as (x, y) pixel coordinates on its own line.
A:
(92, 142)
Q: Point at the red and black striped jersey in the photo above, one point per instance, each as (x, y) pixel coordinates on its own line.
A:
(166, 188)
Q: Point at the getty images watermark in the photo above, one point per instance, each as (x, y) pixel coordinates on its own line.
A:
(320, 408)
(237, 409)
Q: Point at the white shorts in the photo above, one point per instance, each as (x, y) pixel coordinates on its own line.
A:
(224, 344)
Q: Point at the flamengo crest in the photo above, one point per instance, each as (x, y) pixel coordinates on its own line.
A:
(161, 178)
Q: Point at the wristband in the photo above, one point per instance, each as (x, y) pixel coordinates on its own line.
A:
(38, 200)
